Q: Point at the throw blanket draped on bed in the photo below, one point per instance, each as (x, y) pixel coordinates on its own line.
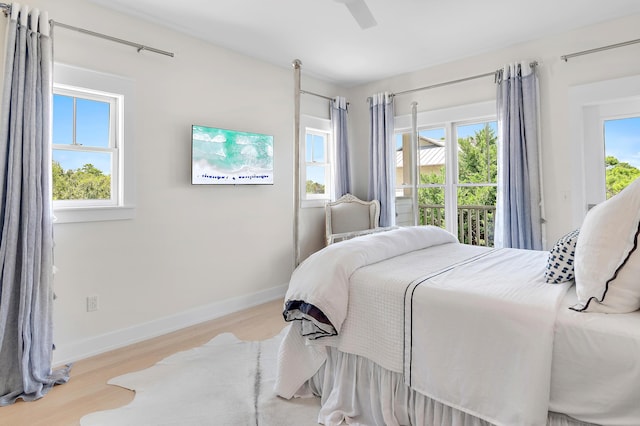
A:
(319, 287)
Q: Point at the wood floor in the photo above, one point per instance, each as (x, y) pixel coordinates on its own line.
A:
(87, 390)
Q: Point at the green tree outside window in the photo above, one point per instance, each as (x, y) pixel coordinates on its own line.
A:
(85, 183)
(618, 175)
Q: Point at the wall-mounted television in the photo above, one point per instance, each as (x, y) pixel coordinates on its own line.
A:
(230, 157)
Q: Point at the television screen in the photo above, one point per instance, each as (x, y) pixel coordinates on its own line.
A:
(230, 157)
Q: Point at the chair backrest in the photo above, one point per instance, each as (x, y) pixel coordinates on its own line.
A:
(350, 214)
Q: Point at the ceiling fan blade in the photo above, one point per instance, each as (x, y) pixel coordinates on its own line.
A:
(360, 12)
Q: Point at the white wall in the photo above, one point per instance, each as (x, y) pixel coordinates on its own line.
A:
(556, 78)
(192, 252)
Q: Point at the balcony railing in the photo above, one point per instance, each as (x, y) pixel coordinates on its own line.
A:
(475, 223)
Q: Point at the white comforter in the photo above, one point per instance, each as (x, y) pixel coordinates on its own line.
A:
(479, 337)
(472, 344)
(323, 279)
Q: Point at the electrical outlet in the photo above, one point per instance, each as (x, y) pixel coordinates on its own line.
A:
(92, 303)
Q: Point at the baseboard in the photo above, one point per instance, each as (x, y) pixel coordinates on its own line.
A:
(75, 351)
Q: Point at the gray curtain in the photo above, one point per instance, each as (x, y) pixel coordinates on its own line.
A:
(26, 243)
(342, 173)
(382, 178)
(518, 215)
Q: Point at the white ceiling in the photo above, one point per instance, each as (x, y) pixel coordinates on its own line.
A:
(409, 35)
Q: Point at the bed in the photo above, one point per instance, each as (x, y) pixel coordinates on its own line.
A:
(411, 327)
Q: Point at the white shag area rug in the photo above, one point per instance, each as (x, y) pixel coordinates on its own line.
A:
(224, 382)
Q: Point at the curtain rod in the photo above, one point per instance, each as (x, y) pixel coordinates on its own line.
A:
(304, 92)
(598, 49)
(7, 7)
(447, 83)
(110, 38)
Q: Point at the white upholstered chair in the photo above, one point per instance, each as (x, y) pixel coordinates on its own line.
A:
(349, 216)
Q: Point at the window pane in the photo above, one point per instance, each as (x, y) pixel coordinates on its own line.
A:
(404, 209)
(476, 213)
(315, 148)
(308, 148)
(403, 156)
(431, 206)
(92, 123)
(81, 175)
(318, 149)
(316, 180)
(432, 156)
(477, 153)
(622, 153)
(62, 119)
(404, 180)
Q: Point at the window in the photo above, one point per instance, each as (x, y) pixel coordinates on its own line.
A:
(316, 173)
(448, 176)
(317, 167)
(85, 147)
(621, 153)
(91, 145)
(605, 142)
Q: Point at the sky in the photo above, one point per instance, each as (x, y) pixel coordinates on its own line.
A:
(315, 152)
(622, 140)
(92, 129)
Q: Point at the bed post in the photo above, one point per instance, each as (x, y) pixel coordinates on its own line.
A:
(297, 64)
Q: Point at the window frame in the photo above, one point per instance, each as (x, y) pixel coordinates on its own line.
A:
(316, 126)
(122, 205)
(589, 106)
(115, 102)
(448, 119)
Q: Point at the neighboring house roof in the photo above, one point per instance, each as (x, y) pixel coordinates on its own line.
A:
(433, 156)
(432, 153)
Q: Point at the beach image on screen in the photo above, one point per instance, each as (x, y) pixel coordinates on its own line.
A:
(221, 156)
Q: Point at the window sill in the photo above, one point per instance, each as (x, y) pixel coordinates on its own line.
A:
(92, 214)
(310, 204)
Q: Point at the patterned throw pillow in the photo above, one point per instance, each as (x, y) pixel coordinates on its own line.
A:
(561, 259)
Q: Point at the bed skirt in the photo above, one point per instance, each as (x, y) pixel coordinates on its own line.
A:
(381, 398)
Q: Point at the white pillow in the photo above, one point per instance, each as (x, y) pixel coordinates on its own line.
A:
(607, 263)
(561, 259)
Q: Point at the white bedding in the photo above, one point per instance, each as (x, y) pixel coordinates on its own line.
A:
(374, 327)
(322, 280)
(596, 365)
(370, 315)
(479, 337)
